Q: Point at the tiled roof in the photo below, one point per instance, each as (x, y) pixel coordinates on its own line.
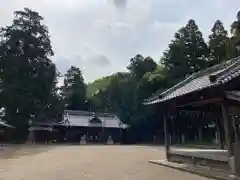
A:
(233, 95)
(82, 119)
(46, 123)
(213, 76)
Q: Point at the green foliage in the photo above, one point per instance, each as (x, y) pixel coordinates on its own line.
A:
(74, 89)
(109, 94)
(97, 85)
(28, 76)
(234, 41)
(186, 54)
(140, 65)
(123, 93)
(218, 43)
(235, 27)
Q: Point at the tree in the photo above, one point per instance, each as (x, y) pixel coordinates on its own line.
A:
(234, 41)
(186, 54)
(110, 92)
(149, 84)
(235, 26)
(28, 76)
(140, 65)
(218, 43)
(74, 89)
(55, 107)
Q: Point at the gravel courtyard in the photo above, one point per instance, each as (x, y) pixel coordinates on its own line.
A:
(86, 163)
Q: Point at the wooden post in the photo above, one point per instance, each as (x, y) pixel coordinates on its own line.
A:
(102, 138)
(220, 133)
(228, 129)
(166, 133)
(235, 163)
(235, 160)
(200, 135)
(235, 129)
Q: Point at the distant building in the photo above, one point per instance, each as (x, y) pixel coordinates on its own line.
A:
(96, 127)
(76, 125)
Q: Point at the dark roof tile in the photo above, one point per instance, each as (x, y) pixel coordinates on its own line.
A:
(213, 76)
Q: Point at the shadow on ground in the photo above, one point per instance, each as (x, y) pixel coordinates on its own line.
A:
(16, 151)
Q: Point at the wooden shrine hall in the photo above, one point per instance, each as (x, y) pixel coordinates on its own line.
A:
(215, 89)
(78, 125)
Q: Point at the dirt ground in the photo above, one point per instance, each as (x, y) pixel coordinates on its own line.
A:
(86, 163)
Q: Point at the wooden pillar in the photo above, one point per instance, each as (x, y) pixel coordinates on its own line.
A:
(232, 160)
(228, 128)
(235, 160)
(236, 138)
(220, 133)
(120, 135)
(235, 163)
(200, 135)
(102, 134)
(166, 133)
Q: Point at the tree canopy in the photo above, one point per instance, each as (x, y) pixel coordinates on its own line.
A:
(28, 76)
(139, 65)
(187, 53)
(234, 41)
(218, 43)
(74, 89)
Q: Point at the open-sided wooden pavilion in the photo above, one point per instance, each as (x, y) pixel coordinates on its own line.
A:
(215, 89)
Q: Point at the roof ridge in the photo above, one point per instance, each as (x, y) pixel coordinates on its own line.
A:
(156, 95)
(231, 69)
(99, 114)
(219, 72)
(229, 64)
(189, 78)
(217, 67)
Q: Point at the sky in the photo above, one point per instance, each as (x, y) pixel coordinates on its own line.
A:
(100, 36)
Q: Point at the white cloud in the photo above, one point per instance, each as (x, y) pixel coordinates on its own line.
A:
(100, 39)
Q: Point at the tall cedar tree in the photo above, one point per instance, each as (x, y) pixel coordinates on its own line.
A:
(218, 43)
(74, 89)
(235, 27)
(234, 42)
(187, 53)
(27, 74)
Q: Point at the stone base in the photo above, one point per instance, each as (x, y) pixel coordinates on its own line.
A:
(233, 177)
(83, 142)
(201, 171)
(110, 142)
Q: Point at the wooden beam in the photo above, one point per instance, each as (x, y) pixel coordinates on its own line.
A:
(202, 102)
(166, 133)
